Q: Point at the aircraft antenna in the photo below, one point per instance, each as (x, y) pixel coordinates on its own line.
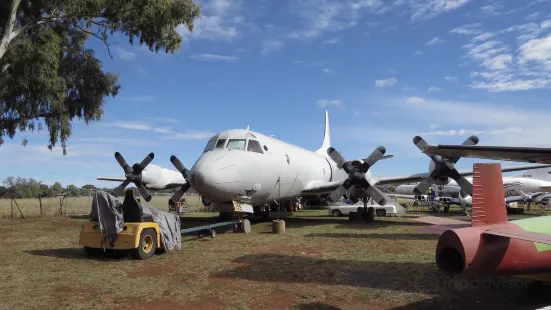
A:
(247, 127)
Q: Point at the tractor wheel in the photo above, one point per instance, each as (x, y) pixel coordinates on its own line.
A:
(147, 245)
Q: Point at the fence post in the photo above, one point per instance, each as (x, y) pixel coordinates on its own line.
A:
(11, 202)
(40, 201)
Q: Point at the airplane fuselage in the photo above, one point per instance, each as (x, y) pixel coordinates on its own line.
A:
(262, 168)
(510, 185)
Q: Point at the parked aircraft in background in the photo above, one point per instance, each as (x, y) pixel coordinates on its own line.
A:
(491, 245)
(241, 170)
(527, 182)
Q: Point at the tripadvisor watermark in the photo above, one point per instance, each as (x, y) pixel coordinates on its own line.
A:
(430, 281)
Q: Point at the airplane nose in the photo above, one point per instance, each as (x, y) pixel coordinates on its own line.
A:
(217, 176)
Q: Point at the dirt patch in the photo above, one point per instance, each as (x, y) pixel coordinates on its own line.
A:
(139, 303)
(275, 300)
(150, 270)
(82, 294)
(210, 303)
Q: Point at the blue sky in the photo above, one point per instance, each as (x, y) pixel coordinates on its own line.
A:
(385, 70)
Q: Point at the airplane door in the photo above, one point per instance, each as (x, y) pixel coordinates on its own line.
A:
(288, 174)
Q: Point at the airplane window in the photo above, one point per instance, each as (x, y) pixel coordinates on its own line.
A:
(210, 145)
(220, 144)
(236, 144)
(254, 146)
(265, 148)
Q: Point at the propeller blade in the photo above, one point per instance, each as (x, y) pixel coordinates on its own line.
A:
(336, 156)
(178, 164)
(147, 160)
(123, 163)
(377, 195)
(424, 185)
(145, 193)
(472, 140)
(178, 194)
(420, 143)
(375, 156)
(117, 191)
(338, 193)
(465, 185)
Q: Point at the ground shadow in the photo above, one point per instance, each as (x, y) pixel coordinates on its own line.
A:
(397, 236)
(410, 277)
(315, 306)
(78, 254)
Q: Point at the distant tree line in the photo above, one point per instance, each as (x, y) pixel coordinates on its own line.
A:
(18, 187)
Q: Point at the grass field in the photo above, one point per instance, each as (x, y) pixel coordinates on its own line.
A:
(80, 205)
(319, 263)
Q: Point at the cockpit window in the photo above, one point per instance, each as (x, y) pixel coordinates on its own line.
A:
(220, 144)
(254, 146)
(210, 145)
(236, 144)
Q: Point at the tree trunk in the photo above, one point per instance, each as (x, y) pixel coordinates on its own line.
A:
(8, 34)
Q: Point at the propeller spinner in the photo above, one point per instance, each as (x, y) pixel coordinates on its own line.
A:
(356, 174)
(133, 175)
(185, 173)
(443, 168)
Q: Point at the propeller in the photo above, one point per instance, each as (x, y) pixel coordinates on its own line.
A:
(356, 171)
(444, 167)
(185, 173)
(133, 175)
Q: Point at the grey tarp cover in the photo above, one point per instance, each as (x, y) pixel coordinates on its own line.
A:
(111, 220)
(107, 210)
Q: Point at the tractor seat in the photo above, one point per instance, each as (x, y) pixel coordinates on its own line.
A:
(132, 209)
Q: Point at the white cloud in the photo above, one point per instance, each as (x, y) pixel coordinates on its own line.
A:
(426, 9)
(468, 29)
(326, 71)
(386, 82)
(415, 100)
(450, 78)
(508, 125)
(190, 135)
(483, 37)
(125, 55)
(168, 132)
(326, 16)
(434, 89)
(434, 41)
(503, 68)
(334, 40)
(532, 16)
(215, 57)
(490, 10)
(219, 21)
(417, 53)
(269, 46)
(329, 102)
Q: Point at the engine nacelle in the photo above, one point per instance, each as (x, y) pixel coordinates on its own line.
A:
(157, 177)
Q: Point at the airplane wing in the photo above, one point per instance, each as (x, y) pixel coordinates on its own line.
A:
(320, 187)
(116, 179)
(506, 232)
(507, 153)
(418, 177)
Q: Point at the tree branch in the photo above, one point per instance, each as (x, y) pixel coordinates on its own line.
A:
(8, 28)
(97, 36)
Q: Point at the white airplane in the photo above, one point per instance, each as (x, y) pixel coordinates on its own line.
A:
(241, 168)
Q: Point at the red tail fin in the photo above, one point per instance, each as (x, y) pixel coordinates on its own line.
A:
(488, 195)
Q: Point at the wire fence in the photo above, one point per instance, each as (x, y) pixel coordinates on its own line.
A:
(69, 206)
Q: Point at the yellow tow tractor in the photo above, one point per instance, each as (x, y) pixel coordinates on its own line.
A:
(139, 234)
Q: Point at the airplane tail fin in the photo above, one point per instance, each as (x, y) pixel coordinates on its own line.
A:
(488, 196)
(326, 137)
